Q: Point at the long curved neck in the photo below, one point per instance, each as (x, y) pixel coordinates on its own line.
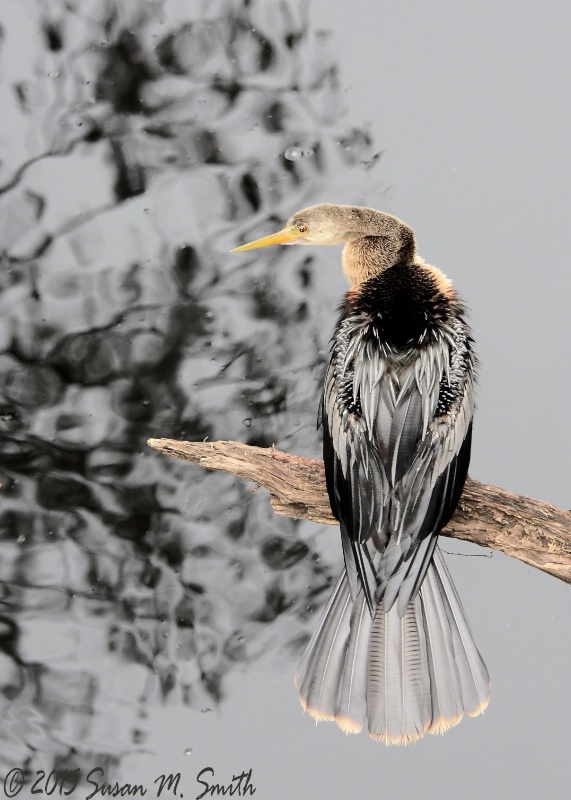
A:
(378, 241)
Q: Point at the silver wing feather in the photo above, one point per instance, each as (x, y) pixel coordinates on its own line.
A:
(395, 457)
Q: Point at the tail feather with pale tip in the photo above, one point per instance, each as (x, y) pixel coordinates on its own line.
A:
(402, 676)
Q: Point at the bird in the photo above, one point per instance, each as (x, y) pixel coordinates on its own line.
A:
(393, 650)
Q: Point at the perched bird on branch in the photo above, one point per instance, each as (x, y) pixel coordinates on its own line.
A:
(393, 648)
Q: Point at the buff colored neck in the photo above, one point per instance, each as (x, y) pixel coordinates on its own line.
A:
(367, 256)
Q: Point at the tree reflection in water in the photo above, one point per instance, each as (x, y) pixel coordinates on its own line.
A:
(140, 143)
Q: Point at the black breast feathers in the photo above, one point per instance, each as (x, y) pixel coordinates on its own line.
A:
(404, 304)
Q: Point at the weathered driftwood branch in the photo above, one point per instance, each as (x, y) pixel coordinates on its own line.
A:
(531, 530)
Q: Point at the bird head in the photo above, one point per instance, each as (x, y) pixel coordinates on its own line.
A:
(373, 240)
(321, 224)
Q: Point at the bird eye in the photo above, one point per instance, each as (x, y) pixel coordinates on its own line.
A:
(302, 228)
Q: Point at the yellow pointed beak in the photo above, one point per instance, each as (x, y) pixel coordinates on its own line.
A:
(286, 236)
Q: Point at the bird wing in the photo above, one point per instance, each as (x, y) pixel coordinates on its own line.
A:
(395, 464)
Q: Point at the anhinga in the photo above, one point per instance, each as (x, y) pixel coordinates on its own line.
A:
(393, 647)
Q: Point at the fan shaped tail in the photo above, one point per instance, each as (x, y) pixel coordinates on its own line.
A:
(402, 675)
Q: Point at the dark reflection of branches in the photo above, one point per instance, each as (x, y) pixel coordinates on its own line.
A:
(153, 145)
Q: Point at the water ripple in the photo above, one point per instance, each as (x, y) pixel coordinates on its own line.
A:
(140, 143)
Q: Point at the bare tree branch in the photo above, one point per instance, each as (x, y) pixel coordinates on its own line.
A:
(531, 530)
